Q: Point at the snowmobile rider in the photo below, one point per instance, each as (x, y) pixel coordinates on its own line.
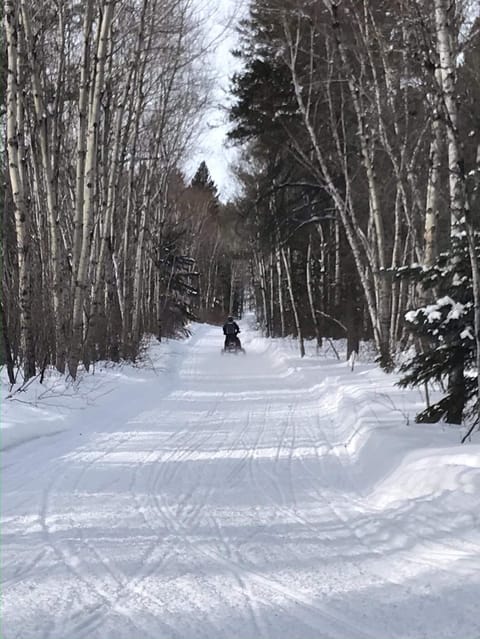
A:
(231, 330)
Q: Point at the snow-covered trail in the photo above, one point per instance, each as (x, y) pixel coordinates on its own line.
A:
(224, 498)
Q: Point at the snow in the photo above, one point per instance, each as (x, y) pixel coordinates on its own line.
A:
(467, 333)
(457, 311)
(29, 423)
(433, 314)
(411, 316)
(221, 497)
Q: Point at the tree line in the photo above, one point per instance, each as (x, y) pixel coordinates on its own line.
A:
(359, 124)
(102, 235)
(359, 213)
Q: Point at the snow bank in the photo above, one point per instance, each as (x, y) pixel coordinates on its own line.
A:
(33, 410)
(386, 458)
(372, 420)
(28, 422)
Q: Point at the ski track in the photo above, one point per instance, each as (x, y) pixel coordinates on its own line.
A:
(221, 506)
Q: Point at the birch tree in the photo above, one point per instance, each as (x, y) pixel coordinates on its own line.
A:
(104, 99)
(15, 118)
(89, 183)
(47, 175)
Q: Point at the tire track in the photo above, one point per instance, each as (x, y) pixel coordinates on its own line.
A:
(243, 573)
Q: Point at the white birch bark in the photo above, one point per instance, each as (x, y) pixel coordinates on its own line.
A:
(337, 266)
(433, 188)
(446, 71)
(112, 187)
(271, 280)
(459, 210)
(17, 182)
(89, 183)
(84, 90)
(281, 306)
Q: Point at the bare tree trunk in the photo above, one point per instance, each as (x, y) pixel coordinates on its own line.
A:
(298, 326)
(446, 71)
(48, 157)
(337, 269)
(475, 264)
(7, 350)
(126, 274)
(89, 188)
(138, 269)
(271, 280)
(139, 262)
(396, 261)
(369, 260)
(263, 291)
(367, 142)
(232, 288)
(84, 90)
(210, 292)
(433, 185)
(310, 293)
(14, 122)
(280, 291)
(460, 218)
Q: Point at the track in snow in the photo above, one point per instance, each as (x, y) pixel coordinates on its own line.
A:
(217, 506)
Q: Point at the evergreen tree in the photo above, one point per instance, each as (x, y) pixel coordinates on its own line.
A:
(445, 329)
(203, 180)
(178, 285)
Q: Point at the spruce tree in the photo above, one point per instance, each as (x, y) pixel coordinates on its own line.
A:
(445, 329)
(203, 180)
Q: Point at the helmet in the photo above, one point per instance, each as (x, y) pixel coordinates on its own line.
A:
(229, 318)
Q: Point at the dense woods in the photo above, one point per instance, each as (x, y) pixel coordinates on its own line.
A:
(103, 240)
(359, 124)
(360, 128)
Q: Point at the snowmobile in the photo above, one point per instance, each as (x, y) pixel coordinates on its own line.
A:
(233, 346)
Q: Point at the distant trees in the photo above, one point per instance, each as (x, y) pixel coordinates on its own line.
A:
(361, 158)
(216, 248)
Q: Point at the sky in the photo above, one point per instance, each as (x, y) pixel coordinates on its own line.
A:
(223, 19)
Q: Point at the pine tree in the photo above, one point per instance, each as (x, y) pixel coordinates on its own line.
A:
(265, 98)
(203, 180)
(445, 329)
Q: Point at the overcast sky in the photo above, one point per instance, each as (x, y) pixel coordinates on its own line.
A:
(210, 147)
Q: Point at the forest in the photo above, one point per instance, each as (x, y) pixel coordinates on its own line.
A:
(358, 216)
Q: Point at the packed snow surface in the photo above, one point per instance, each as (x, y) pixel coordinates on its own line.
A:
(220, 497)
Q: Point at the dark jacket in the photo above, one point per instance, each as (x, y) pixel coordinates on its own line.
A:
(231, 328)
